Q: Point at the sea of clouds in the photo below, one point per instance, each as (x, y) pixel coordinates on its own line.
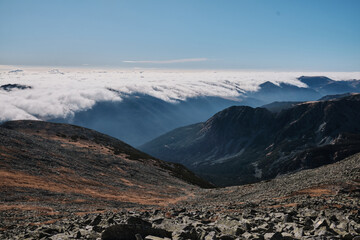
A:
(59, 93)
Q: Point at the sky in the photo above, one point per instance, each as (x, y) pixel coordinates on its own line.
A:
(282, 35)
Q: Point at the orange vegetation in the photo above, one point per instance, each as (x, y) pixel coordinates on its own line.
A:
(75, 184)
(315, 191)
(283, 205)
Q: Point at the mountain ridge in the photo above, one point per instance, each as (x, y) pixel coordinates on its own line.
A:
(272, 143)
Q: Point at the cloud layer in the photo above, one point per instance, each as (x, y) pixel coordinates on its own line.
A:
(61, 93)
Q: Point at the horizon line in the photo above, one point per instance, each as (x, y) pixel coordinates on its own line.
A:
(122, 68)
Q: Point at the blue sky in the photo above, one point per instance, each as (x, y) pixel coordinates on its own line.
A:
(307, 35)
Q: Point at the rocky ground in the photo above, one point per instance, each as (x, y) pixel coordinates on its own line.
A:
(320, 203)
(310, 219)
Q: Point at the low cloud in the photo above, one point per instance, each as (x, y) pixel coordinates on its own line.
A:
(185, 60)
(62, 95)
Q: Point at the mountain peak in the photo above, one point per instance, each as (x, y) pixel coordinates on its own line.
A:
(243, 117)
(315, 81)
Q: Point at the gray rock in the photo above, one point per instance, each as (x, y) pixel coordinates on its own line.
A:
(320, 223)
(96, 220)
(288, 218)
(128, 232)
(211, 236)
(138, 221)
(298, 232)
(189, 232)
(226, 237)
(273, 236)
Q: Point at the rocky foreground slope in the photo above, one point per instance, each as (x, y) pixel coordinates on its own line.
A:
(321, 203)
(242, 144)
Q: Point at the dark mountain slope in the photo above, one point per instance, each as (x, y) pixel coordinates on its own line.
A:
(336, 96)
(74, 169)
(269, 92)
(276, 107)
(11, 87)
(243, 144)
(327, 86)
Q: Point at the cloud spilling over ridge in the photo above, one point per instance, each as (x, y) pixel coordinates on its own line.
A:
(61, 93)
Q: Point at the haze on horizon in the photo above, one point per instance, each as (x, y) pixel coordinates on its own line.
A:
(281, 35)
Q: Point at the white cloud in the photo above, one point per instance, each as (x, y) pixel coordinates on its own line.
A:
(61, 95)
(185, 60)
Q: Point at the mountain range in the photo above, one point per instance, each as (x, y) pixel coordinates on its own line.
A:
(242, 144)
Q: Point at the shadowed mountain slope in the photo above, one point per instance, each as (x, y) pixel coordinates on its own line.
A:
(243, 144)
(276, 107)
